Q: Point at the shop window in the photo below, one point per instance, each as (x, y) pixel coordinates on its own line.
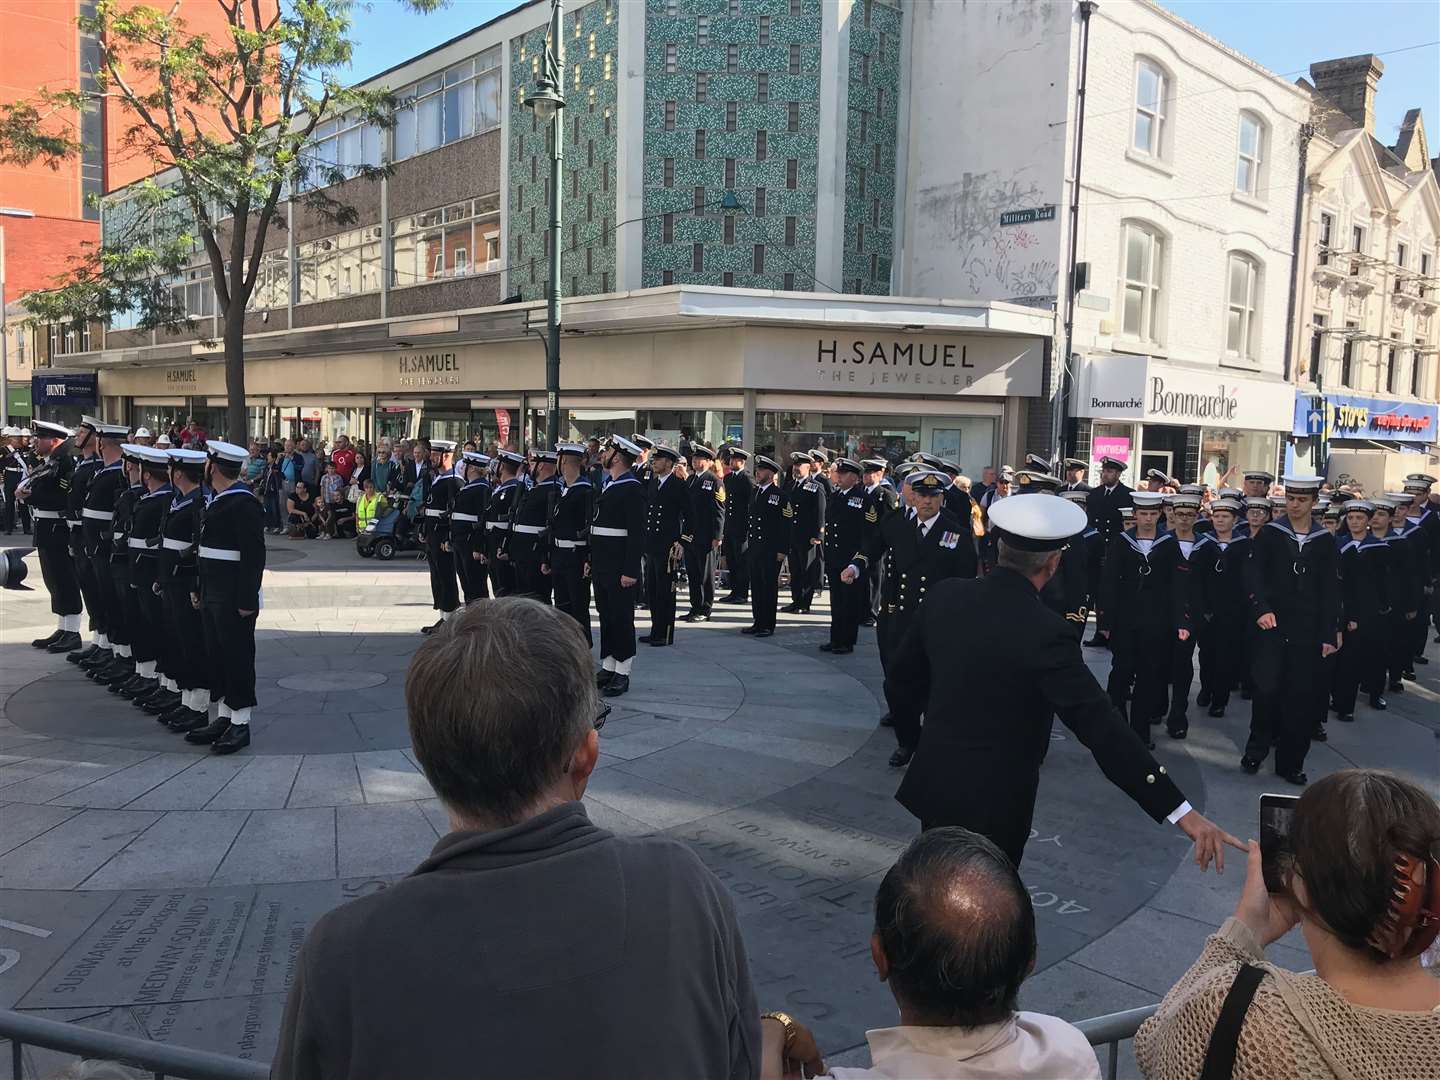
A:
(1144, 249)
(1243, 291)
(1227, 454)
(448, 242)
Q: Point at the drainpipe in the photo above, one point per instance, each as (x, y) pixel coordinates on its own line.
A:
(1065, 354)
(1307, 132)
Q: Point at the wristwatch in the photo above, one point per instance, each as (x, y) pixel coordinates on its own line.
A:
(786, 1021)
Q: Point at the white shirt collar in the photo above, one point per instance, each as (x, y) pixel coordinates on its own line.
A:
(1026, 1044)
(928, 523)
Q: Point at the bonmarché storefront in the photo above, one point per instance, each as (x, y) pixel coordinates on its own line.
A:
(777, 372)
(1198, 425)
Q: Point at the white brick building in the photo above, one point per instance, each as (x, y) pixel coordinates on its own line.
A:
(1368, 292)
(1187, 202)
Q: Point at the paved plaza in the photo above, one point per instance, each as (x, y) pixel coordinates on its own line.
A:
(149, 888)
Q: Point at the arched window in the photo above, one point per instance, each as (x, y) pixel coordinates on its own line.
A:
(1152, 92)
(1144, 254)
(1250, 155)
(1243, 301)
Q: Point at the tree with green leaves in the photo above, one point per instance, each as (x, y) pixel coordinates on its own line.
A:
(225, 119)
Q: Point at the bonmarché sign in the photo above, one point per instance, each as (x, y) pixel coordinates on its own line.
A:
(1128, 387)
(429, 369)
(1220, 405)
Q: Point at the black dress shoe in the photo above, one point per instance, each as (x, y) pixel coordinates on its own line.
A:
(901, 757)
(733, 599)
(603, 678)
(1397, 687)
(617, 686)
(101, 658)
(45, 642)
(698, 616)
(1346, 718)
(1378, 701)
(1250, 765)
(658, 642)
(887, 720)
(1299, 779)
(432, 627)
(1422, 660)
(827, 647)
(82, 654)
(764, 633)
(183, 720)
(134, 686)
(749, 630)
(67, 641)
(1216, 710)
(1096, 642)
(803, 611)
(842, 650)
(1175, 731)
(1246, 693)
(236, 737)
(1408, 676)
(1319, 734)
(1202, 698)
(162, 702)
(790, 609)
(867, 621)
(209, 733)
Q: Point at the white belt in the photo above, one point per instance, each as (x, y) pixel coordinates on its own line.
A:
(47, 515)
(464, 517)
(176, 545)
(73, 523)
(571, 544)
(502, 525)
(98, 515)
(532, 530)
(220, 554)
(137, 542)
(604, 530)
(432, 512)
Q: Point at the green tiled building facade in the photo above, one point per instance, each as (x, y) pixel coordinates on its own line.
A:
(589, 199)
(732, 97)
(874, 102)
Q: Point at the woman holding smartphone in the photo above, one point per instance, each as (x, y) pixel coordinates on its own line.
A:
(1367, 908)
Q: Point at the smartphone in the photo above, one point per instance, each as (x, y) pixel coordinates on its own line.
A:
(1276, 814)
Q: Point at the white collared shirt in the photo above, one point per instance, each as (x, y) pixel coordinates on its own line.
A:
(1026, 1045)
(926, 525)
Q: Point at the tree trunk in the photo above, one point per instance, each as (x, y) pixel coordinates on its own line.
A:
(236, 428)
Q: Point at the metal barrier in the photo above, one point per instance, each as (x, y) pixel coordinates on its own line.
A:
(1112, 1029)
(160, 1059)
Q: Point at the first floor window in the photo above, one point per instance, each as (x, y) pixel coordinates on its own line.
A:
(1244, 279)
(1144, 264)
(448, 242)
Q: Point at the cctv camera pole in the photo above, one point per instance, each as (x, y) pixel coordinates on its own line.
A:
(548, 100)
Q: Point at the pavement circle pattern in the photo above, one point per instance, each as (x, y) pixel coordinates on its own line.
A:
(118, 840)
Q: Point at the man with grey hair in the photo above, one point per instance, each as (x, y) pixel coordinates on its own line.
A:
(531, 942)
(978, 762)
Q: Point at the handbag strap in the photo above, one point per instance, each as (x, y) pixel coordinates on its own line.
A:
(1225, 1039)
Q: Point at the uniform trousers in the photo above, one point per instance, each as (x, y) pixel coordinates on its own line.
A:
(804, 562)
(90, 587)
(733, 548)
(572, 589)
(444, 586)
(764, 566)
(185, 632)
(1182, 674)
(123, 608)
(472, 572)
(1290, 696)
(1419, 629)
(658, 582)
(13, 508)
(615, 605)
(847, 605)
(905, 704)
(700, 572)
(1359, 665)
(1223, 641)
(104, 594)
(1397, 647)
(57, 569)
(529, 581)
(1141, 657)
(230, 647)
(502, 574)
(874, 591)
(146, 629)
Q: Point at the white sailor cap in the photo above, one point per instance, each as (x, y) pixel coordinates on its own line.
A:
(1364, 506)
(1227, 502)
(1228, 493)
(44, 429)
(147, 455)
(180, 456)
(643, 442)
(1277, 502)
(1076, 496)
(9, 431)
(163, 439)
(1037, 480)
(1418, 483)
(1400, 498)
(845, 464)
(625, 446)
(1076, 463)
(1322, 502)
(549, 457)
(1158, 474)
(875, 464)
(927, 481)
(949, 467)
(1146, 500)
(474, 457)
(1037, 522)
(226, 451)
(663, 451)
(1183, 500)
(143, 433)
(700, 451)
(1037, 463)
(763, 462)
(1108, 462)
(1191, 489)
(1007, 473)
(445, 446)
(1301, 485)
(91, 422)
(1260, 474)
(113, 431)
(1388, 502)
(510, 457)
(736, 453)
(1420, 478)
(575, 448)
(1259, 502)
(797, 457)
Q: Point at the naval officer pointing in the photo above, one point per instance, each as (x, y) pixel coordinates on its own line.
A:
(978, 762)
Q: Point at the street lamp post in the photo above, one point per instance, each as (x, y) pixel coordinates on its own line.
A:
(547, 101)
(6, 211)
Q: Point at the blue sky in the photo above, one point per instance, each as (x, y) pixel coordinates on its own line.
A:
(1283, 35)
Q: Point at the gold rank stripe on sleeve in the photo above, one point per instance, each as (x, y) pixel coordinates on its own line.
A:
(872, 515)
(789, 510)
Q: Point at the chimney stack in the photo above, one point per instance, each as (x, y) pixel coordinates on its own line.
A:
(1350, 83)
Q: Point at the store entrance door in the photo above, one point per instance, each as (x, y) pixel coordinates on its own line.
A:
(1162, 446)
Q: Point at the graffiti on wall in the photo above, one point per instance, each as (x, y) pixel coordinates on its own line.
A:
(985, 260)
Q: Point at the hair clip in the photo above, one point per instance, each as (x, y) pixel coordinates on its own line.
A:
(1412, 921)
